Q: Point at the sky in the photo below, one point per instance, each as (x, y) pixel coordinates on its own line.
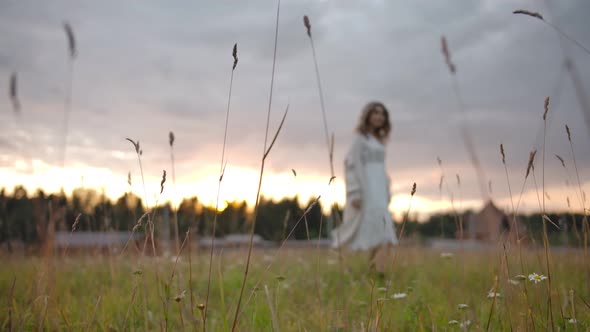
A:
(145, 68)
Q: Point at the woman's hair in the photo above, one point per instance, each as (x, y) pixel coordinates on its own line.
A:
(364, 127)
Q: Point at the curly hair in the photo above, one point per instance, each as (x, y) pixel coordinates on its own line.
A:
(364, 126)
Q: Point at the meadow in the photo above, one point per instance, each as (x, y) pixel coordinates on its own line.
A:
(506, 288)
(300, 290)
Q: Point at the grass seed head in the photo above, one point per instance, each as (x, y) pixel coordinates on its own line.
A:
(561, 160)
(447, 54)
(163, 181)
(528, 13)
(307, 25)
(135, 145)
(75, 224)
(13, 92)
(531, 162)
(546, 108)
(71, 40)
(235, 55)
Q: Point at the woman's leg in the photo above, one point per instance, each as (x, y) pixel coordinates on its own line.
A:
(372, 256)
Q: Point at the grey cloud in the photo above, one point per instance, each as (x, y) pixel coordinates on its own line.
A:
(147, 67)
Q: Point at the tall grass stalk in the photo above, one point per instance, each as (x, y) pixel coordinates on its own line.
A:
(465, 132)
(265, 153)
(149, 228)
(91, 321)
(405, 220)
(222, 166)
(545, 237)
(72, 53)
(171, 140)
(540, 17)
(335, 217)
(569, 63)
(585, 224)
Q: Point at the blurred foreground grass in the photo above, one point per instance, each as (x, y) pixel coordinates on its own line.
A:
(308, 290)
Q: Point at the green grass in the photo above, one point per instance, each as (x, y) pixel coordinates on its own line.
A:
(333, 298)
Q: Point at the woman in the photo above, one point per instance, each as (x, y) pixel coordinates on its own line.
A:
(367, 223)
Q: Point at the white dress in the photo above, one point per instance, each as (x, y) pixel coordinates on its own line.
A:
(367, 180)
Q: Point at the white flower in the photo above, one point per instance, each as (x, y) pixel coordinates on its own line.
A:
(446, 255)
(397, 296)
(536, 278)
(462, 306)
(492, 294)
(180, 296)
(453, 322)
(382, 289)
(514, 282)
(465, 323)
(572, 321)
(174, 258)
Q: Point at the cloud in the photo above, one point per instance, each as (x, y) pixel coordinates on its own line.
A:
(146, 67)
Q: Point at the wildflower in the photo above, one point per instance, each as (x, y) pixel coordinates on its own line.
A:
(492, 294)
(536, 278)
(462, 306)
(180, 296)
(397, 296)
(465, 323)
(382, 289)
(453, 322)
(572, 321)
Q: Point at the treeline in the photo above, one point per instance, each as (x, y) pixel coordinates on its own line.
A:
(29, 217)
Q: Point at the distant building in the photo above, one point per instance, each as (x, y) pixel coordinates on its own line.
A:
(94, 241)
(236, 241)
(492, 224)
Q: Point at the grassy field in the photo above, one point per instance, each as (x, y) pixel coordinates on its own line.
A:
(298, 290)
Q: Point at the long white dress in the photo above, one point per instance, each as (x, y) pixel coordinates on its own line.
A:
(367, 180)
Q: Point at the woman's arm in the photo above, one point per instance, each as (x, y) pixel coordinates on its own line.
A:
(355, 173)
